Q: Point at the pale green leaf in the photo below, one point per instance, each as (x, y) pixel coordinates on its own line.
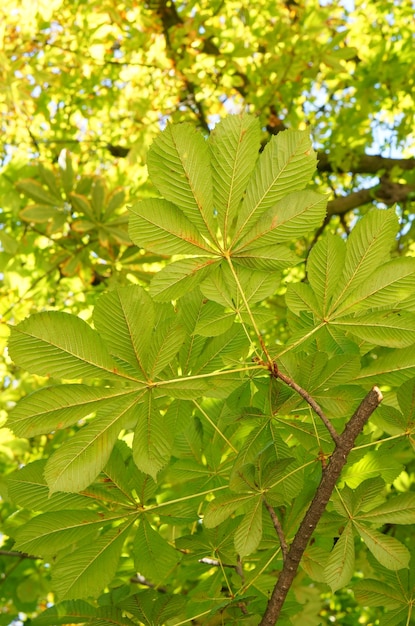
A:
(53, 408)
(373, 464)
(165, 343)
(160, 227)
(154, 558)
(249, 532)
(34, 190)
(392, 368)
(77, 463)
(178, 278)
(27, 487)
(389, 285)
(295, 215)
(179, 166)
(286, 165)
(60, 345)
(79, 612)
(390, 552)
(233, 143)
(299, 297)
(368, 247)
(339, 568)
(213, 320)
(125, 319)
(378, 593)
(324, 268)
(271, 257)
(50, 533)
(86, 572)
(224, 348)
(39, 213)
(397, 510)
(392, 329)
(223, 507)
(406, 399)
(153, 439)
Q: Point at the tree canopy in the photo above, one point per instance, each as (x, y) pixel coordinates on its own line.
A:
(208, 312)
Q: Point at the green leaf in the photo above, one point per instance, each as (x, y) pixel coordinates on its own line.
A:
(233, 144)
(213, 320)
(87, 571)
(165, 343)
(227, 347)
(249, 532)
(160, 227)
(392, 329)
(125, 319)
(34, 190)
(378, 593)
(269, 257)
(296, 215)
(392, 368)
(397, 510)
(286, 165)
(390, 552)
(406, 399)
(179, 166)
(78, 611)
(39, 213)
(53, 408)
(154, 557)
(340, 565)
(223, 507)
(179, 278)
(153, 439)
(60, 345)
(49, 533)
(389, 285)
(77, 463)
(367, 248)
(299, 297)
(27, 487)
(324, 268)
(379, 463)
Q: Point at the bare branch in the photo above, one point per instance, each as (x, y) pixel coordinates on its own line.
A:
(365, 164)
(277, 525)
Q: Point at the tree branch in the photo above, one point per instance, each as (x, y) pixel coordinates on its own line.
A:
(387, 192)
(278, 528)
(317, 507)
(365, 164)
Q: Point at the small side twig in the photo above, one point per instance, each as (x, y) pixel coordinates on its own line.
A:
(278, 528)
(314, 405)
(318, 505)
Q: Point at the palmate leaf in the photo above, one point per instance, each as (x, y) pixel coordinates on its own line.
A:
(234, 143)
(53, 408)
(49, 533)
(249, 532)
(324, 268)
(160, 227)
(397, 510)
(75, 465)
(61, 345)
(179, 166)
(393, 368)
(286, 165)
(390, 552)
(368, 246)
(153, 437)
(154, 557)
(80, 612)
(86, 572)
(379, 593)
(180, 277)
(393, 329)
(340, 565)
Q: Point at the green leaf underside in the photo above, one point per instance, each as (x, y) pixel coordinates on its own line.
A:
(391, 328)
(340, 565)
(233, 144)
(390, 552)
(179, 277)
(53, 408)
(160, 227)
(88, 572)
(286, 165)
(75, 465)
(369, 244)
(153, 438)
(179, 166)
(249, 532)
(154, 557)
(62, 345)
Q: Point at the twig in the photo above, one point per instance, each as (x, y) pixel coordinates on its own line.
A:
(19, 555)
(277, 525)
(316, 407)
(317, 507)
